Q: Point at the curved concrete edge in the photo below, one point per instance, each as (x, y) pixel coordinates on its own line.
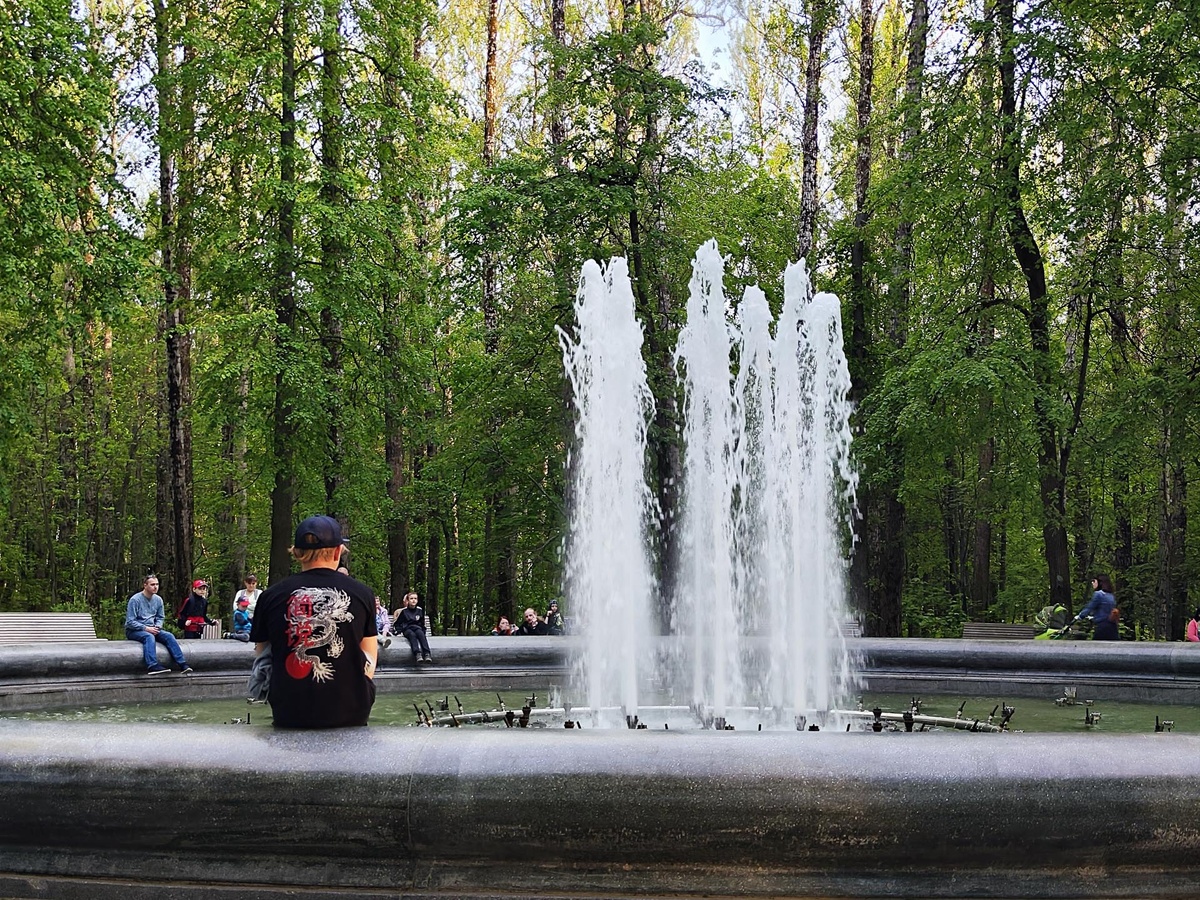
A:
(571, 812)
(46, 675)
(1080, 657)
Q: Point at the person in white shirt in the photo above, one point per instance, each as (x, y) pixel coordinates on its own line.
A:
(250, 592)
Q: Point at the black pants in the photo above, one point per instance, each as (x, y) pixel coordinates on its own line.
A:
(417, 640)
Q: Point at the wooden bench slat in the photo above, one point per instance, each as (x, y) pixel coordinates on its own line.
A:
(32, 628)
(998, 631)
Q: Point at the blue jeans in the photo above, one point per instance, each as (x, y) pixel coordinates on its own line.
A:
(149, 651)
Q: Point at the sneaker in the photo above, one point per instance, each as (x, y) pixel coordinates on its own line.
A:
(426, 658)
(156, 669)
(387, 642)
(186, 670)
(225, 635)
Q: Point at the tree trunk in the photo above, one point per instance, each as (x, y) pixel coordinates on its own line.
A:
(433, 581)
(232, 519)
(333, 251)
(807, 230)
(860, 338)
(1171, 587)
(558, 33)
(498, 549)
(1052, 461)
(910, 137)
(284, 291)
(981, 594)
(175, 192)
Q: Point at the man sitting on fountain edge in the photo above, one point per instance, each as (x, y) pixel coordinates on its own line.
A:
(319, 627)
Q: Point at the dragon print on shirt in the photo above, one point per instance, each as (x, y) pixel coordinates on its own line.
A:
(313, 615)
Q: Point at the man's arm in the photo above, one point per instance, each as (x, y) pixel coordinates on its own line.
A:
(370, 649)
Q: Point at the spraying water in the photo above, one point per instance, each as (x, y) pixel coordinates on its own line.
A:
(767, 485)
(608, 575)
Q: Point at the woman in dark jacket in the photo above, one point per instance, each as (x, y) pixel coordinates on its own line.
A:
(1102, 610)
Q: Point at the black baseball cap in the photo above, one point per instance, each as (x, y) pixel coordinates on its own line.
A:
(317, 532)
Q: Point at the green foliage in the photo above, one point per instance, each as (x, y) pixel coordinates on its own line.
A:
(389, 347)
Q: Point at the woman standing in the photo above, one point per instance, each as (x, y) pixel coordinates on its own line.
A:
(1102, 610)
(1193, 628)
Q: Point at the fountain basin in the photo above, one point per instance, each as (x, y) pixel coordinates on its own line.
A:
(436, 812)
(132, 811)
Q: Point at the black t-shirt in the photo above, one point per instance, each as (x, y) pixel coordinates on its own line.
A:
(315, 622)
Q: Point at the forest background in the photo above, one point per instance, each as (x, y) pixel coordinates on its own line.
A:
(265, 258)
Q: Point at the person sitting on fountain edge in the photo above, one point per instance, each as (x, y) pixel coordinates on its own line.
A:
(319, 627)
(554, 619)
(144, 616)
(193, 612)
(532, 624)
(241, 621)
(412, 624)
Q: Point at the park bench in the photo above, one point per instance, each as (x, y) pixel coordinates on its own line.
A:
(988, 631)
(851, 629)
(211, 631)
(36, 627)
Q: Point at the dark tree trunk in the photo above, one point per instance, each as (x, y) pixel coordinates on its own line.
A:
(333, 251)
(284, 291)
(432, 581)
(981, 593)
(558, 31)
(1171, 588)
(807, 228)
(497, 591)
(1052, 457)
(913, 97)
(174, 184)
(860, 337)
(397, 527)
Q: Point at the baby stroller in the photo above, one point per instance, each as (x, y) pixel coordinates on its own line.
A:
(1058, 624)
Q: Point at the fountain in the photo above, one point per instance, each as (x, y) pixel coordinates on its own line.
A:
(143, 811)
(767, 481)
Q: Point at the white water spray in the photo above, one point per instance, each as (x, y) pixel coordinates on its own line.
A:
(768, 484)
(608, 575)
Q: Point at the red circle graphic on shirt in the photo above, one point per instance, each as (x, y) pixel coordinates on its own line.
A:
(298, 668)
